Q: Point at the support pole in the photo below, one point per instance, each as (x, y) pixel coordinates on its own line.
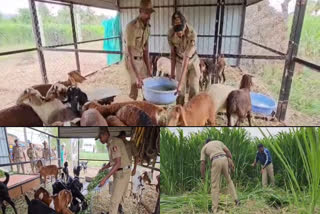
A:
(293, 46)
(74, 35)
(221, 20)
(59, 152)
(37, 36)
(7, 142)
(243, 20)
(120, 30)
(215, 43)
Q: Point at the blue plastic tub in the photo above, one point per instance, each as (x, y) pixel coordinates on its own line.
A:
(159, 90)
(262, 104)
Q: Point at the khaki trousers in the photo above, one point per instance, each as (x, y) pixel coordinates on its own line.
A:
(141, 69)
(120, 185)
(18, 160)
(192, 77)
(268, 171)
(220, 166)
(32, 164)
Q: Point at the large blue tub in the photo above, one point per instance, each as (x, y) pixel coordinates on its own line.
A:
(159, 90)
(262, 104)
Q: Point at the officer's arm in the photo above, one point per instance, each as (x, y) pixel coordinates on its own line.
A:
(228, 153)
(146, 58)
(185, 63)
(115, 167)
(105, 167)
(203, 169)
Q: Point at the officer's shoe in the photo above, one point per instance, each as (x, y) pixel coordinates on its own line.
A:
(237, 202)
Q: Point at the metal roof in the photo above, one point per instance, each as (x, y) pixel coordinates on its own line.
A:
(90, 132)
(112, 4)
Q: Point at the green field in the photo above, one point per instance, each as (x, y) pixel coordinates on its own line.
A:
(296, 165)
(97, 156)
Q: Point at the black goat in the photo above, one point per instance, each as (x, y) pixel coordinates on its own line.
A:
(38, 207)
(76, 98)
(4, 195)
(84, 165)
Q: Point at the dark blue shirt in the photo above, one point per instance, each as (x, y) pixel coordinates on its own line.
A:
(264, 157)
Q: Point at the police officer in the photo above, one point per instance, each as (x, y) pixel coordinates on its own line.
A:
(120, 164)
(136, 48)
(45, 152)
(18, 156)
(31, 153)
(184, 59)
(264, 157)
(218, 154)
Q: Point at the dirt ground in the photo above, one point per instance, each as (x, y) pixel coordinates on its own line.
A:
(22, 70)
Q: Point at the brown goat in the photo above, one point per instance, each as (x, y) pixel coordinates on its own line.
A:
(47, 171)
(219, 71)
(239, 101)
(155, 112)
(197, 112)
(19, 115)
(132, 115)
(92, 117)
(59, 202)
(114, 121)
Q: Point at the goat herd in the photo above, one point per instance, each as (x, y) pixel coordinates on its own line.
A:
(65, 104)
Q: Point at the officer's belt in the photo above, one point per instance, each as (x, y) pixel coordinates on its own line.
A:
(124, 168)
(217, 156)
(195, 53)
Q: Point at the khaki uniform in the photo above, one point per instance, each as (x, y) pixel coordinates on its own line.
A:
(46, 155)
(121, 178)
(31, 153)
(136, 37)
(268, 171)
(18, 157)
(219, 166)
(181, 45)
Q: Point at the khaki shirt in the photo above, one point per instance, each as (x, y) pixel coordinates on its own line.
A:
(136, 36)
(46, 153)
(31, 153)
(186, 43)
(117, 149)
(17, 152)
(211, 149)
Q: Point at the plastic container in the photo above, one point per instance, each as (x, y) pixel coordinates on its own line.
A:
(159, 90)
(262, 104)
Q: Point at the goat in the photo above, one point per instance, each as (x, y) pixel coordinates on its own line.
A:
(4, 194)
(66, 171)
(207, 67)
(74, 77)
(19, 115)
(156, 113)
(49, 111)
(163, 67)
(77, 99)
(114, 121)
(38, 207)
(219, 71)
(59, 202)
(47, 171)
(132, 115)
(84, 165)
(197, 112)
(239, 101)
(92, 117)
(219, 94)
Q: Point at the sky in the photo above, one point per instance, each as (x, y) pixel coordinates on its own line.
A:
(11, 7)
(255, 132)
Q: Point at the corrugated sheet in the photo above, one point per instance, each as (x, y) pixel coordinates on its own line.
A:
(3, 147)
(201, 18)
(89, 132)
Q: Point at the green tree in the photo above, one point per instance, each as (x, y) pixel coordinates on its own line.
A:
(63, 15)
(23, 16)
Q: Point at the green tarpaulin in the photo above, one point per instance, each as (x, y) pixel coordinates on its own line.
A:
(112, 29)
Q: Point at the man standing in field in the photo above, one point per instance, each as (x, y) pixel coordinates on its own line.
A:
(137, 48)
(18, 156)
(218, 154)
(182, 39)
(120, 164)
(264, 157)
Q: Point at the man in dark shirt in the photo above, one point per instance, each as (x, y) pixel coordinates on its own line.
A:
(264, 157)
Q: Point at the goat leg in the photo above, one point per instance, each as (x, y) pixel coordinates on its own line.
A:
(249, 118)
(223, 75)
(12, 205)
(3, 207)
